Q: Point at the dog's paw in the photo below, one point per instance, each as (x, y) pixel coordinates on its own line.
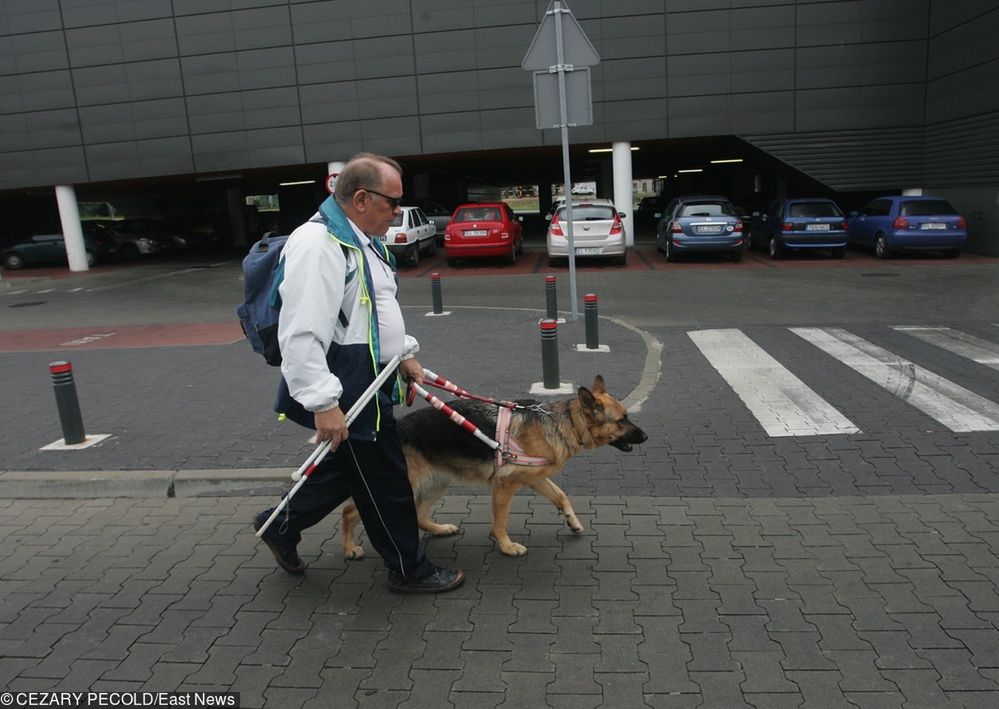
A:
(445, 530)
(513, 549)
(574, 524)
(354, 554)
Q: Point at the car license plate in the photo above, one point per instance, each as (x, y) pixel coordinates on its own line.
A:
(587, 251)
(707, 230)
(932, 225)
(816, 227)
(476, 232)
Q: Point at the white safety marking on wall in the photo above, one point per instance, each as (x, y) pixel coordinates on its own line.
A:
(782, 403)
(960, 343)
(952, 405)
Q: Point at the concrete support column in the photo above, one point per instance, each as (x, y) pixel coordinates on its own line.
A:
(913, 192)
(624, 198)
(72, 230)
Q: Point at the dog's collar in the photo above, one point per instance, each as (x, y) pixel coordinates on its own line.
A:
(509, 451)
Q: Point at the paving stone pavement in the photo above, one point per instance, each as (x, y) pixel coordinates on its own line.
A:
(662, 601)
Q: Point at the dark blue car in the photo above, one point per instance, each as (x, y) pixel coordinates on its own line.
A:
(798, 224)
(905, 223)
(700, 223)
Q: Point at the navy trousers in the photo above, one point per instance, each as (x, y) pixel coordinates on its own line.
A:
(374, 474)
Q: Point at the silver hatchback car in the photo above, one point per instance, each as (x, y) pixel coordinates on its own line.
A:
(597, 232)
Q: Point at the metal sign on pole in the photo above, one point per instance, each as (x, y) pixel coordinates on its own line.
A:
(560, 50)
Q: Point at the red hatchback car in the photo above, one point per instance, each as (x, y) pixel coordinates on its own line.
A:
(482, 229)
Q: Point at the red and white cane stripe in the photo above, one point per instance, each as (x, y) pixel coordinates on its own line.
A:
(454, 416)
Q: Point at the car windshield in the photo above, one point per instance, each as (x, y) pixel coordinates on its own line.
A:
(708, 209)
(477, 214)
(589, 212)
(926, 208)
(813, 209)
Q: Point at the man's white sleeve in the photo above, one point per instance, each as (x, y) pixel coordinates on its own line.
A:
(311, 295)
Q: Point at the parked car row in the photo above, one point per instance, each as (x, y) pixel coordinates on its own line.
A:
(886, 224)
(103, 240)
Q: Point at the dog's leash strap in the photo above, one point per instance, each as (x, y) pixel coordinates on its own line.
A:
(454, 415)
(440, 382)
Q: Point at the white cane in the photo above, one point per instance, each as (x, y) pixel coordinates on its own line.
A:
(310, 464)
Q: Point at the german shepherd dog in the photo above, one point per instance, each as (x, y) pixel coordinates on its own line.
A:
(438, 453)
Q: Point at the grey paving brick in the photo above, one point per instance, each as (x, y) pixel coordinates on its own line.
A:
(763, 673)
(251, 683)
(574, 674)
(920, 688)
(719, 689)
(490, 633)
(818, 688)
(430, 688)
(339, 687)
(391, 671)
(486, 673)
(802, 651)
(616, 617)
(957, 673)
(288, 696)
(773, 701)
(530, 654)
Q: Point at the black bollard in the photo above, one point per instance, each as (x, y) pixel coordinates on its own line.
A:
(67, 402)
(551, 298)
(549, 353)
(592, 328)
(435, 288)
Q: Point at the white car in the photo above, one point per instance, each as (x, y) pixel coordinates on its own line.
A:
(597, 231)
(410, 235)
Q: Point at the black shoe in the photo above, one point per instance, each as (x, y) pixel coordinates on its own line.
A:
(286, 557)
(439, 581)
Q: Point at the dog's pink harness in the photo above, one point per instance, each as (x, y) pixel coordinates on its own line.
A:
(507, 450)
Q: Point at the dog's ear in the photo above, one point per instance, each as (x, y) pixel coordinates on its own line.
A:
(598, 385)
(590, 403)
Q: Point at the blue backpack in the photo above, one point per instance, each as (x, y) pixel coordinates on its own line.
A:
(263, 271)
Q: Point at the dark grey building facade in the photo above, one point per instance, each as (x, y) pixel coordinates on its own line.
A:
(861, 95)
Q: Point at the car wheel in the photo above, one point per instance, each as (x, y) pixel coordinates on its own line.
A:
(881, 249)
(735, 256)
(511, 258)
(13, 262)
(520, 247)
(839, 253)
(668, 251)
(452, 261)
(91, 258)
(622, 260)
(414, 255)
(776, 249)
(952, 253)
(432, 251)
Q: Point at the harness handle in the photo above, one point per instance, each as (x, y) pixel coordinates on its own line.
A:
(440, 382)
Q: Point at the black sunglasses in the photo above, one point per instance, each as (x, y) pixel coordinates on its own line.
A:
(394, 202)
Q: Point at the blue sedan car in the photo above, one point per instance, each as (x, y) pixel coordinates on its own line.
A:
(700, 223)
(800, 223)
(904, 223)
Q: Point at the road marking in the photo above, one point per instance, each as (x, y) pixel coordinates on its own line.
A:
(960, 343)
(952, 405)
(783, 404)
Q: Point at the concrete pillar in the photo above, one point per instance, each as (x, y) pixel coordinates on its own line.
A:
(72, 230)
(913, 192)
(623, 197)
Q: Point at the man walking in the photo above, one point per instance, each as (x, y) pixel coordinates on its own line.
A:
(340, 323)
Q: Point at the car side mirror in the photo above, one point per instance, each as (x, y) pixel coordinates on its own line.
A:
(658, 215)
(548, 216)
(622, 215)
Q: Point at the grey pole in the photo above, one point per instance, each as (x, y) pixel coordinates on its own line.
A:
(564, 127)
(592, 328)
(435, 287)
(551, 298)
(67, 402)
(549, 353)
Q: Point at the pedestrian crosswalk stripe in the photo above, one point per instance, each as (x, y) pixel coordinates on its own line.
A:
(960, 343)
(782, 403)
(952, 405)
